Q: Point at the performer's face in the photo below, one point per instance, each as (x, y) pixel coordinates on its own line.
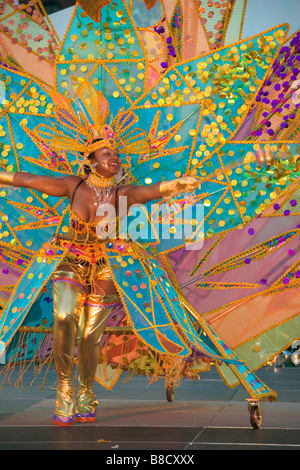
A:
(108, 161)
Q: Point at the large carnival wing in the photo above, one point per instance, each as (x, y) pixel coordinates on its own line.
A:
(154, 307)
(163, 320)
(202, 104)
(28, 44)
(28, 218)
(28, 41)
(245, 283)
(248, 278)
(274, 115)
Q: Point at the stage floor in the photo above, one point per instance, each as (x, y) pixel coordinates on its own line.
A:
(136, 416)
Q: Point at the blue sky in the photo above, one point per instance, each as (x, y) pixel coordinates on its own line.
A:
(264, 14)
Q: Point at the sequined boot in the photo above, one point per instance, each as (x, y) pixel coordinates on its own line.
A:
(90, 331)
(68, 302)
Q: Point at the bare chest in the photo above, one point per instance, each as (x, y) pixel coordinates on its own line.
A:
(91, 204)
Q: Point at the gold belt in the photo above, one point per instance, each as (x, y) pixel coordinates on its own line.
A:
(92, 253)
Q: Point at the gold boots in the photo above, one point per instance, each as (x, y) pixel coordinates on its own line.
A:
(82, 317)
(90, 330)
(68, 302)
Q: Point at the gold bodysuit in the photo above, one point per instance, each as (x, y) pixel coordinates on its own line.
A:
(85, 257)
(81, 310)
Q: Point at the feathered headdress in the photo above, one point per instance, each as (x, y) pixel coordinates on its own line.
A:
(80, 126)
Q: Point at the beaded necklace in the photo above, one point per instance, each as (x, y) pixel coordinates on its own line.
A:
(101, 187)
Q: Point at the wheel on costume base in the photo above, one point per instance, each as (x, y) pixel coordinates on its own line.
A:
(255, 414)
(170, 393)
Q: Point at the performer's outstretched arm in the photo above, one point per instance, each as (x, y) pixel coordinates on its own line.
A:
(50, 185)
(161, 190)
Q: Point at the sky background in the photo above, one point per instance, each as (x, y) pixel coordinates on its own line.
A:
(265, 14)
(260, 15)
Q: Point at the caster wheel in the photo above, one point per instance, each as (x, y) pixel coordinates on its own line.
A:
(170, 393)
(255, 416)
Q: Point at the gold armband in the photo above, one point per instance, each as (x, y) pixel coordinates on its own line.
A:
(171, 188)
(7, 178)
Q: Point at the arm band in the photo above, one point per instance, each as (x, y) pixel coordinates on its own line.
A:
(7, 178)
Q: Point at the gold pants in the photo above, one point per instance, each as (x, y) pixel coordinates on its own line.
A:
(79, 316)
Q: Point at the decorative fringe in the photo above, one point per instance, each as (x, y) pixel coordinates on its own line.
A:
(174, 371)
(21, 360)
(120, 351)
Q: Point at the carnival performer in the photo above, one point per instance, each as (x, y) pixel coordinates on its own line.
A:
(84, 292)
(103, 91)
